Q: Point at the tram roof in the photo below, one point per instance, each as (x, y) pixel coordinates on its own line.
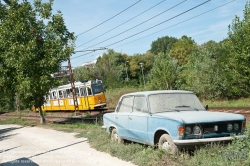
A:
(77, 84)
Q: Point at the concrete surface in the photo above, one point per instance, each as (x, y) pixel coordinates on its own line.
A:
(34, 146)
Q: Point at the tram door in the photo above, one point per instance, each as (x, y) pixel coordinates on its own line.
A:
(84, 97)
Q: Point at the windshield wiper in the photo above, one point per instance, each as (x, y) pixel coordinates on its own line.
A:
(181, 106)
(173, 109)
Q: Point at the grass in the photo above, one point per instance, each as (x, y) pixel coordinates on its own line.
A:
(19, 121)
(113, 95)
(243, 102)
(143, 155)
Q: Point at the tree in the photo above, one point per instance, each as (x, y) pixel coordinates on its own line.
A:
(82, 73)
(109, 68)
(182, 49)
(34, 42)
(239, 46)
(163, 44)
(164, 73)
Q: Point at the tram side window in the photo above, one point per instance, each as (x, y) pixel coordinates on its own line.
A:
(61, 96)
(77, 91)
(83, 91)
(54, 95)
(68, 93)
(89, 91)
(47, 97)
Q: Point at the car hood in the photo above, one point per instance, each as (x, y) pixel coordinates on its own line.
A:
(200, 116)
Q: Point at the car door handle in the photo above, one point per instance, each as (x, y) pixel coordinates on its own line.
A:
(130, 117)
(116, 117)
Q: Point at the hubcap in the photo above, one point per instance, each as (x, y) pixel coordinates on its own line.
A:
(115, 136)
(165, 146)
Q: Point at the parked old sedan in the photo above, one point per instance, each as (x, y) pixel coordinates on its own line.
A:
(171, 119)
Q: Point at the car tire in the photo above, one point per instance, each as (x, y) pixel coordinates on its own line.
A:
(166, 143)
(115, 137)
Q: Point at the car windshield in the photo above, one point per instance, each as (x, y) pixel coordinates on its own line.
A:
(174, 102)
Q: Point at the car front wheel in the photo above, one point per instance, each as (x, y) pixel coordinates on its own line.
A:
(115, 137)
(166, 143)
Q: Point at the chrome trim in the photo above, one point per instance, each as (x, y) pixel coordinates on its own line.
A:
(205, 140)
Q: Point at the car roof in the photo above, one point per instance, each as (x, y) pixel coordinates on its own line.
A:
(146, 93)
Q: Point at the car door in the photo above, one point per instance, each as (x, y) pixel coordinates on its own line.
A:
(121, 116)
(138, 120)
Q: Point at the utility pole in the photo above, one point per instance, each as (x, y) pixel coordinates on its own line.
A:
(72, 81)
(126, 69)
(141, 64)
(17, 102)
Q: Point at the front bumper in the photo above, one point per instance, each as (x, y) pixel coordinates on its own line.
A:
(205, 140)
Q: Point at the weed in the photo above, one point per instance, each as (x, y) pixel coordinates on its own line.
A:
(19, 121)
(87, 114)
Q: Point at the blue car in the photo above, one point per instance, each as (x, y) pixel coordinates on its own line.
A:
(170, 119)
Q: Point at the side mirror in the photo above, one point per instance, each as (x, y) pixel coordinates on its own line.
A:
(206, 107)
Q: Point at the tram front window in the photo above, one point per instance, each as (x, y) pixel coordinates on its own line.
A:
(97, 88)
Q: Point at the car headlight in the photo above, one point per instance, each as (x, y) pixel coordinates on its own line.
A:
(229, 127)
(196, 130)
(236, 126)
(188, 130)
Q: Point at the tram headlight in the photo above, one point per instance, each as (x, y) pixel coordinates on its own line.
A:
(229, 127)
(236, 126)
(188, 130)
(100, 100)
(196, 130)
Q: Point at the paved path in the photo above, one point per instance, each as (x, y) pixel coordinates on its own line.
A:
(34, 146)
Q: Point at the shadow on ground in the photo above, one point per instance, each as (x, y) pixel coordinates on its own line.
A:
(20, 162)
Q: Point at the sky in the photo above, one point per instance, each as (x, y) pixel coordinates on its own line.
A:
(130, 26)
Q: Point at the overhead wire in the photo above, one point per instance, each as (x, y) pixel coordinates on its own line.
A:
(138, 24)
(121, 24)
(109, 18)
(177, 23)
(170, 26)
(150, 27)
(159, 23)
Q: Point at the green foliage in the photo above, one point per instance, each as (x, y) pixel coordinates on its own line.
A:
(182, 49)
(113, 95)
(82, 73)
(109, 68)
(6, 102)
(202, 75)
(163, 45)
(164, 73)
(34, 42)
(19, 121)
(239, 45)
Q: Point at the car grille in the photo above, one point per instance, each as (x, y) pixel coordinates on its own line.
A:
(222, 127)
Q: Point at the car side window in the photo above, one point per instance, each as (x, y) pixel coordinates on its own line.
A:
(140, 104)
(126, 104)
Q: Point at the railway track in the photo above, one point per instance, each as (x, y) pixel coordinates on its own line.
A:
(54, 119)
(67, 117)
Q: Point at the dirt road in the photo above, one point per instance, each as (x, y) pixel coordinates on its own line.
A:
(34, 146)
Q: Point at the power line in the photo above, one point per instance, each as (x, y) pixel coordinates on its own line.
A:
(177, 23)
(121, 24)
(150, 27)
(138, 24)
(109, 18)
(170, 26)
(158, 24)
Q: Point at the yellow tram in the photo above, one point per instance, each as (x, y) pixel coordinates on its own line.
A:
(90, 96)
